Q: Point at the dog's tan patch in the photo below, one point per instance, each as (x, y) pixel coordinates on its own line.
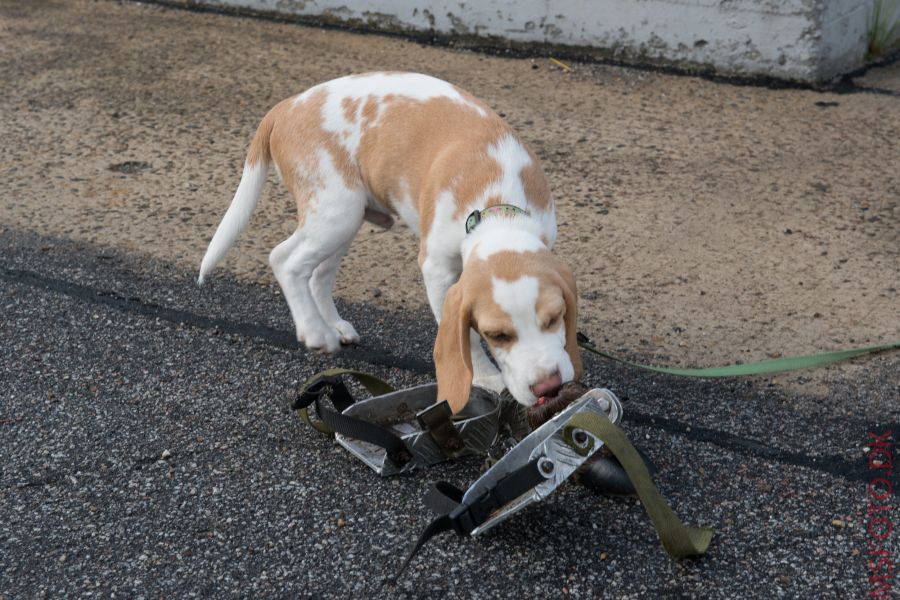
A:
(430, 152)
(369, 112)
(350, 107)
(534, 182)
(296, 138)
(259, 147)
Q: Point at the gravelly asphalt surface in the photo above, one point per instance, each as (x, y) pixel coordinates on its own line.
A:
(149, 451)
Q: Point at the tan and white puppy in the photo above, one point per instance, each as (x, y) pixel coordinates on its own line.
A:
(372, 146)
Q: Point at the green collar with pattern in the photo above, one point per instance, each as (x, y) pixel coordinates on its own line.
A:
(503, 210)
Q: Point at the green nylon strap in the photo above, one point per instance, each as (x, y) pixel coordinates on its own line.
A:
(775, 365)
(679, 540)
(373, 385)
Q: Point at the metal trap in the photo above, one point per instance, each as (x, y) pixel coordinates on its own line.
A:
(422, 424)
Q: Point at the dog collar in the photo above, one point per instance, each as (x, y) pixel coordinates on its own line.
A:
(505, 210)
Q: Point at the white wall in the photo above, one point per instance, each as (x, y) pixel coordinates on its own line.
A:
(804, 40)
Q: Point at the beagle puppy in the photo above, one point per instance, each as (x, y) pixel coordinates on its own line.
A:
(374, 146)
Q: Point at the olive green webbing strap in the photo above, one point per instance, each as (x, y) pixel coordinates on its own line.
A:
(678, 539)
(373, 385)
(775, 365)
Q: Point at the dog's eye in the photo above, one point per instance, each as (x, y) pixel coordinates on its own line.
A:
(499, 337)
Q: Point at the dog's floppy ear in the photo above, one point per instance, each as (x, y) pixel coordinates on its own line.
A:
(570, 294)
(452, 352)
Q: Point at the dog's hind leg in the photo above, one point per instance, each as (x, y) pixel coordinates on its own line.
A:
(306, 263)
(321, 285)
(305, 266)
(293, 262)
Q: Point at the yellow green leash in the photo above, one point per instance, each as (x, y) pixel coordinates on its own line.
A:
(775, 365)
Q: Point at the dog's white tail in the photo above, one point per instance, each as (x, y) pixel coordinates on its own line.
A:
(238, 214)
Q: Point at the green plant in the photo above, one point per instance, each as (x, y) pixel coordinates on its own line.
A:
(884, 27)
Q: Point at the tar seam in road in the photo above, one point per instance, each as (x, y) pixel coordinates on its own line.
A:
(832, 465)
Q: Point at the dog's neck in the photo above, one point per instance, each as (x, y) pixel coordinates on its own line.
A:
(513, 232)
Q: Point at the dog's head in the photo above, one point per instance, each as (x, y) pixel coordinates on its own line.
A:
(523, 304)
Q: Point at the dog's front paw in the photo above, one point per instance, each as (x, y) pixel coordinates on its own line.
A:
(493, 383)
(325, 340)
(346, 332)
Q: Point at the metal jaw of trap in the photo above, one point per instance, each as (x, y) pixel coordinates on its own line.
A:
(528, 473)
(558, 449)
(428, 429)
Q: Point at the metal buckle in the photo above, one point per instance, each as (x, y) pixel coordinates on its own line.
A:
(473, 220)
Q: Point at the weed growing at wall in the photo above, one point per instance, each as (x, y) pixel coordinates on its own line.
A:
(884, 27)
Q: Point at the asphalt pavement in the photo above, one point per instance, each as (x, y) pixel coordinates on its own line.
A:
(147, 445)
(149, 450)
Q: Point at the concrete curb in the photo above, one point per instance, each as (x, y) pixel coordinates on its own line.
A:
(807, 41)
